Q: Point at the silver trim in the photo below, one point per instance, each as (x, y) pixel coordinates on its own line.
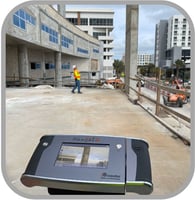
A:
(73, 180)
(74, 185)
(141, 182)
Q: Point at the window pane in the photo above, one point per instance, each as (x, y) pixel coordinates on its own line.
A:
(16, 20)
(46, 28)
(22, 24)
(22, 14)
(27, 17)
(38, 65)
(17, 13)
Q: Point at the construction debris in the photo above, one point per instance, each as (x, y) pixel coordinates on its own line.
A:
(111, 83)
(44, 87)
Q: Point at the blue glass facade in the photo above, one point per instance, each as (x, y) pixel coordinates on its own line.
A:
(66, 66)
(53, 35)
(21, 17)
(95, 50)
(65, 41)
(80, 50)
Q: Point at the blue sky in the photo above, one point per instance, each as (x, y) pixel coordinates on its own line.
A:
(149, 16)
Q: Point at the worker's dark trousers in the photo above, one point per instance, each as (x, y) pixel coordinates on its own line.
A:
(77, 85)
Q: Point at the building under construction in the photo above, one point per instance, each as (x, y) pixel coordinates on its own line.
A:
(41, 45)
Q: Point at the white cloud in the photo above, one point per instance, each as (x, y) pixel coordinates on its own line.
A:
(154, 13)
(149, 16)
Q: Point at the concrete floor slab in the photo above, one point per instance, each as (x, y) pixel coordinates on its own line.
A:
(34, 112)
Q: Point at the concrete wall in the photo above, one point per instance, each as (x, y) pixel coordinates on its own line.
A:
(42, 40)
(11, 66)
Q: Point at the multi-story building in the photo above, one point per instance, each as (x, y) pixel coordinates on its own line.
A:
(178, 40)
(160, 43)
(99, 24)
(41, 44)
(145, 59)
(178, 32)
(172, 41)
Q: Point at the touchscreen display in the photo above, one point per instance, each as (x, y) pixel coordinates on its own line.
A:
(83, 155)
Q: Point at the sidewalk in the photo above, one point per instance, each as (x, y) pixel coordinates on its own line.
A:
(34, 112)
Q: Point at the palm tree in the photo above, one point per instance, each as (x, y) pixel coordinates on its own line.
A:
(119, 67)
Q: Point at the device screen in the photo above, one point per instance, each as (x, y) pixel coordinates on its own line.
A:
(83, 155)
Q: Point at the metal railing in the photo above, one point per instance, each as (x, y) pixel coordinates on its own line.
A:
(161, 109)
(160, 90)
(29, 81)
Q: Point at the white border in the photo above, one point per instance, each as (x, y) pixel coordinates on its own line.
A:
(7, 6)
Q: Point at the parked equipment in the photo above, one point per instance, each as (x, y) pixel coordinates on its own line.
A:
(175, 99)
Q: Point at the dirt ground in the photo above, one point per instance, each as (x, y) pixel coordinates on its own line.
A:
(34, 112)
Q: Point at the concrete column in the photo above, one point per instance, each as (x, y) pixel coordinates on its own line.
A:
(61, 9)
(58, 69)
(23, 65)
(43, 65)
(78, 18)
(132, 12)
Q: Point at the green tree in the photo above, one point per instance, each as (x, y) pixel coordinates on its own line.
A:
(151, 70)
(119, 67)
(178, 64)
(142, 70)
(147, 70)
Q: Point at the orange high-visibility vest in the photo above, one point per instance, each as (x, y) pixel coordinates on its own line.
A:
(77, 74)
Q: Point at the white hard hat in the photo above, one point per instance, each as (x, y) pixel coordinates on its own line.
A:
(74, 66)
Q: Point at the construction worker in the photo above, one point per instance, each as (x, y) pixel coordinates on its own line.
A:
(77, 78)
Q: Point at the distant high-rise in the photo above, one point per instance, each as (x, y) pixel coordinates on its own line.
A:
(145, 59)
(160, 43)
(172, 41)
(99, 24)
